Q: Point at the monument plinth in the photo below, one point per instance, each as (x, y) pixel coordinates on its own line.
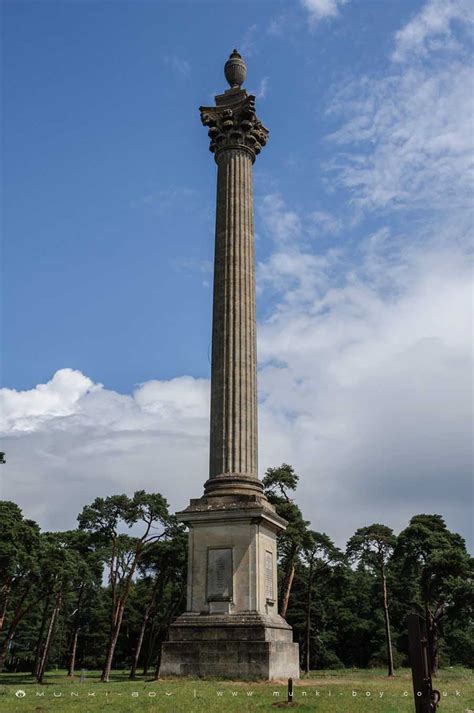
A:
(231, 626)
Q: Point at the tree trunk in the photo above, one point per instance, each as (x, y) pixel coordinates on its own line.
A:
(117, 616)
(163, 633)
(308, 618)
(388, 636)
(435, 658)
(39, 642)
(156, 594)
(5, 647)
(17, 617)
(432, 621)
(4, 597)
(112, 643)
(113, 581)
(49, 637)
(154, 632)
(122, 600)
(146, 616)
(287, 584)
(72, 654)
(75, 633)
(171, 614)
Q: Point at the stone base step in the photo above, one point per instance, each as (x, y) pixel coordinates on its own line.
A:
(251, 660)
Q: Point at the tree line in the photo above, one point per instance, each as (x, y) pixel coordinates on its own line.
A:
(349, 608)
(103, 595)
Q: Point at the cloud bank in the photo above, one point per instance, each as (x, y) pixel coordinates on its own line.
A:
(366, 355)
(432, 29)
(365, 352)
(322, 9)
(71, 440)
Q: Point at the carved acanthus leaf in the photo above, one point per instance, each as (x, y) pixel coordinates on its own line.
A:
(235, 125)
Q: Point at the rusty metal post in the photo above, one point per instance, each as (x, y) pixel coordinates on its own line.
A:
(426, 699)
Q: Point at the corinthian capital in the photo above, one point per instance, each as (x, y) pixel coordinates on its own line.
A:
(232, 122)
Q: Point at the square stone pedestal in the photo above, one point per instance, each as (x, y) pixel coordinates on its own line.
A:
(231, 627)
(238, 646)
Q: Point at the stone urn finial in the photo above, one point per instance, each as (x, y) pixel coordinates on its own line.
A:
(235, 70)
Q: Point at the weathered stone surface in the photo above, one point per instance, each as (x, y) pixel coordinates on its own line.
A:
(237, 136)
(244, 626)
(231, 659)
(233, 124)
(244, 646)
(233, 446)
(249, 534)
(250, 640)
(231, 626)
(219, 574)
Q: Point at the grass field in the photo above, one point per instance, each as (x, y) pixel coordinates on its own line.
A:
(346, 691)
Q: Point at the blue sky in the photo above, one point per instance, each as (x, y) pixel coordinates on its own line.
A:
(109, 184)
(362, 207)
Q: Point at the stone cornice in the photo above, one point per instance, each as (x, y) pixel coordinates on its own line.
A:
(233, 123)
(194, 517)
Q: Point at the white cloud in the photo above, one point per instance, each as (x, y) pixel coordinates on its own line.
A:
(325, 222)
(299, 276)
(431, 28)
(284, 225)
(366, 383)
(365, 390)
(287, 227)
(262, 89)
(179, 66)
(366, 356)
(408, 138)
(322, 9)
(166, 199)
(365, 376)
(70, 440)
(29, 410)
(247, 45)
(276, 26)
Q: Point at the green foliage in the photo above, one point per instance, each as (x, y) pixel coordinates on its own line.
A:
(277, 483)
(434, 576)
(280, 480)
(19, 540)
(433, 557)
(372, 546)
(334, 604)
(426, 563)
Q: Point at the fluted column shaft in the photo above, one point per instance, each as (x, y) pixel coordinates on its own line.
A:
(233, 444)
(237, 137)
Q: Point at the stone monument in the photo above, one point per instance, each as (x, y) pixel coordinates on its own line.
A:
(231, 626)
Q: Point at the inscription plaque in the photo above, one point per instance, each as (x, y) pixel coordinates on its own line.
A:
(269, 575)
(219, 574)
